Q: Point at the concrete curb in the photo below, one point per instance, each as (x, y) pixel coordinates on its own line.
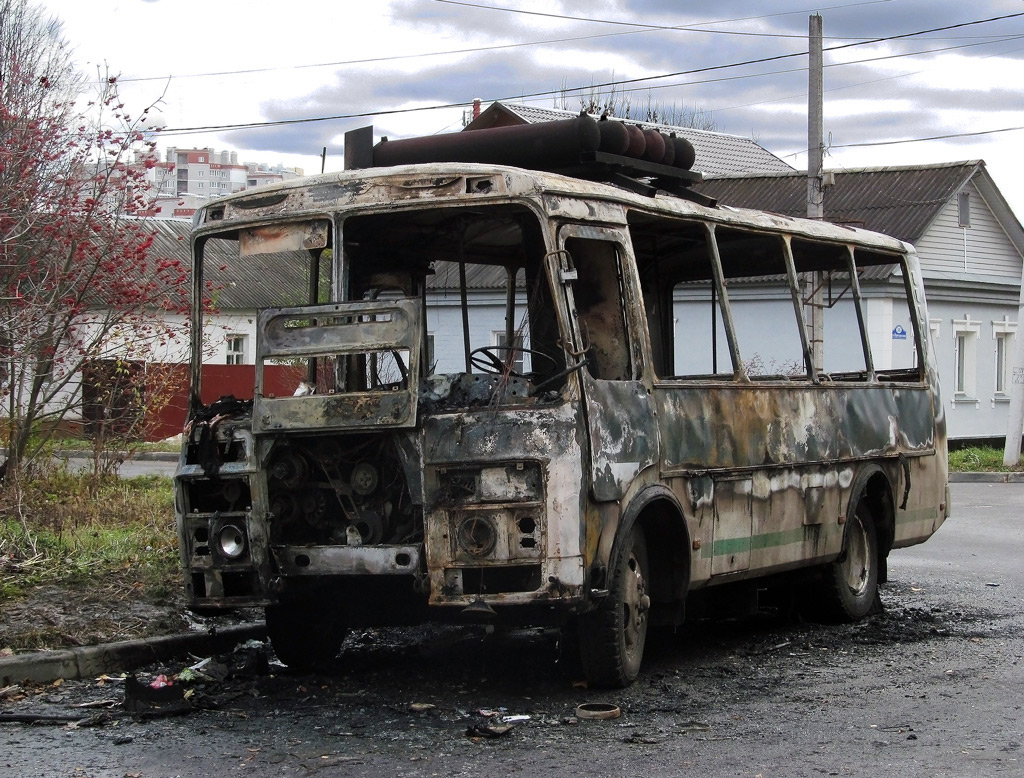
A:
(986, 478)
(88, 661)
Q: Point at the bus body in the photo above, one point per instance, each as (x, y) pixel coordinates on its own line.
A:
(483, 391)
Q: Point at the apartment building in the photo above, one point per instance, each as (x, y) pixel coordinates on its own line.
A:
(185, 178)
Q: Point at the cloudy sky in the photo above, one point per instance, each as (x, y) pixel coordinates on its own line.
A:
(226, 64)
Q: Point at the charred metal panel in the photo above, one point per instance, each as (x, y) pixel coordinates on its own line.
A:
(788, 425)
(289, 236)
(348, 560)
(334, 331)
(733, 517)
(501, 487)
(623, 435)
(800, 448)
(335, 411)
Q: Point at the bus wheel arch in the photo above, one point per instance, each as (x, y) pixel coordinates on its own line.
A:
(668, 552)
(648, 566)
(850, 589)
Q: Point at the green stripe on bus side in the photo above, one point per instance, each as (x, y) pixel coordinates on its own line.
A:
(767, 540)
(770, 539)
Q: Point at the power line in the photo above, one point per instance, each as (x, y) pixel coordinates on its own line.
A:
(395, 57)
(495, 47)
(694, 28)
(505, 46)
(921, 140)
(570, 90)
(833, 65)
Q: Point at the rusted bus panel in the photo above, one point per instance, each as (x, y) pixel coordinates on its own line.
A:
(511, 439)
(337, 191)
(269, 239)
(333, 328)
(785, 425)
(331, 332)
(763, 522)
(360, 410)
(347, 560)
(623, 434)
(921, 516)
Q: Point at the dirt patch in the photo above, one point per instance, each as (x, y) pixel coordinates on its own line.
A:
(79, 614)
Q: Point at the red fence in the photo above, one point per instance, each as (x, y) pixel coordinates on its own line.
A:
(171, 395)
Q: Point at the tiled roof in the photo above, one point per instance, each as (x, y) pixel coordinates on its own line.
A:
(897, 201)
(716, 153)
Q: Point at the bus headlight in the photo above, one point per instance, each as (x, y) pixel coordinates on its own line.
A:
(477, 535)
(231, 541)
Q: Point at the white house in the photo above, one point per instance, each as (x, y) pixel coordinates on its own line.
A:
(971, 248)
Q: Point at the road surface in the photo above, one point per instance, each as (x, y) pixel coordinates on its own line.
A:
(934, 686)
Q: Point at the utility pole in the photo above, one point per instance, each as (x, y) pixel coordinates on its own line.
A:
(1015, 423)
(815, 195)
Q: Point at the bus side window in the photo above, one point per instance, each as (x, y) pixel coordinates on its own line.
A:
(598, 296)
(682, 309)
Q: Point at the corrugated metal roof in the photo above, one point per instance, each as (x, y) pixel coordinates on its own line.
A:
(716, 153)
(897, 201)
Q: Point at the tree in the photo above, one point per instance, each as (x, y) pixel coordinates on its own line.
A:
(650, 111)
(77, 282)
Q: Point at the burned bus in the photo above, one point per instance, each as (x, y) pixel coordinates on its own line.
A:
(529, 377)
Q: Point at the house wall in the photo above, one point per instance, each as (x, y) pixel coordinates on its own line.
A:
(486, 317)
(982, 250)
(980, 411)
(972, 284)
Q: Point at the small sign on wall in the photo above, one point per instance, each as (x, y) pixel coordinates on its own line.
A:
(898, 333)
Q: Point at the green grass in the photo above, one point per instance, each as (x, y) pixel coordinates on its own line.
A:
(981, 459)
(81, 533)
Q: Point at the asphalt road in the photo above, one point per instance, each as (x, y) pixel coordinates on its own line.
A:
(933, 686)
(165, 465)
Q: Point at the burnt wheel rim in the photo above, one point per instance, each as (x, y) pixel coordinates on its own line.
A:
(634, 605)
(856, 563)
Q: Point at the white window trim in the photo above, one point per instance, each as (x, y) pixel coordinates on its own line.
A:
(521, 363)
(1006, 331)
(970, 330)
(229, 352)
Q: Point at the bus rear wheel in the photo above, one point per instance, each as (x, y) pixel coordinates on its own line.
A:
(851, 581)
(612, 637)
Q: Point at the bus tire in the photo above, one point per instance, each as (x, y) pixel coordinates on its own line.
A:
(303, 637)
(613, 635)
(851, 581)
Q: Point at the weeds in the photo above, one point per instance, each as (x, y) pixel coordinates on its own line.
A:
(66, 530)
(981, 459)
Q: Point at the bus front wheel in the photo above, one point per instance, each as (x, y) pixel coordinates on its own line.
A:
(612, 637)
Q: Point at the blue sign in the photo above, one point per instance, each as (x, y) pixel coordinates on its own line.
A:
(898, 333)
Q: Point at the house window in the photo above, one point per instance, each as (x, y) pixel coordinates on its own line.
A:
(431, 364)
(235, 350)
(963, 203)
(1004, 333)
(965, 347)
(500, 340)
